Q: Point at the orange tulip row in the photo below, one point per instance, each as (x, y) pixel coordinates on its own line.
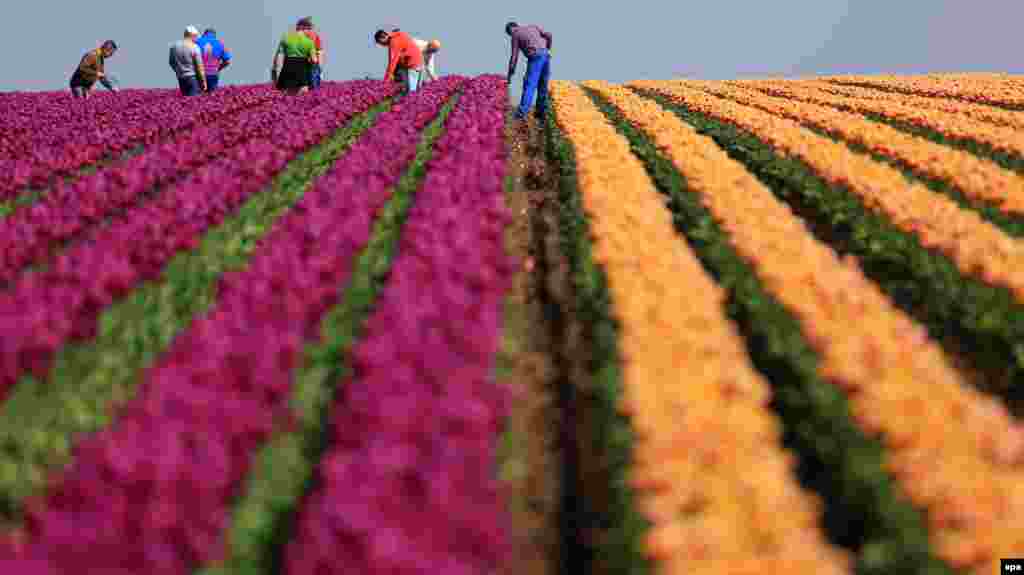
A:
(955, 452)
(976, 178)
(1000, 138)
(709, 470)
(981, 90)
(976, 247)
(980, 112)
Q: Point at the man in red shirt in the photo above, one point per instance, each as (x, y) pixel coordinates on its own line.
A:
(306, 27)
(404, 55)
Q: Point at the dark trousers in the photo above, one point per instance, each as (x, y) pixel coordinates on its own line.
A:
(189, 86)
(535, 83)
(212, 82)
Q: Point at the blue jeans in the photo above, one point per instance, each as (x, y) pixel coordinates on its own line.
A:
(189, 86)
(538, 71)
(212, 82)
(318, 75)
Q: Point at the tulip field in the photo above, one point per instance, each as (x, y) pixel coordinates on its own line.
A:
(252, 333)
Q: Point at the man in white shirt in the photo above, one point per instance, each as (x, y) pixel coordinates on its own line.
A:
(430, 50)
(187, 62)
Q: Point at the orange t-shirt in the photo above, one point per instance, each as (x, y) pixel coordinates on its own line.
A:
(402, 50)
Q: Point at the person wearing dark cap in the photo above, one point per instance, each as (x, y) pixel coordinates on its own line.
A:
(535, 44)
(316, 74)
(91, 70)
(216, 57)
(404, 57)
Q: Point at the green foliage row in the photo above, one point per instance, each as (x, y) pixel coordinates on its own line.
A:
(864, 510)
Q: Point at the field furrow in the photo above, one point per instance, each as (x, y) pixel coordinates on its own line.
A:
(42, 418)
(980, 112)
(698, 408)
(414, 430)
(966, 479)
(223, 389)
(975, 178)
(998, 94)
(34, 234)
(978, 248)
(127, 132)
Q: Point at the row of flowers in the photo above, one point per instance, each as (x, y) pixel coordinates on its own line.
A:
(978, 248)
(408, 484)
(980, 112)
(1003, 139)
(155, 491)
(976, 178)
(22, 115)
(983, 89)
(955, 452)
(698, 407)
(30, 235)
(44, 309)
(61, 151)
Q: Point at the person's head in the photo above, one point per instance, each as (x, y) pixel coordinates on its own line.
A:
(381, 37)
(191, 32)
(209, 32)
(109, 48)
(433, 46)
(510, 28)
(304, 23)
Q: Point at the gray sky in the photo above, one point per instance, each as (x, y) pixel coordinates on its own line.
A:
(621, 41)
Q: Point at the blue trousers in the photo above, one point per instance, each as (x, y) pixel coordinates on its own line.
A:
(317, 78)
(535, 83)
(212, 81)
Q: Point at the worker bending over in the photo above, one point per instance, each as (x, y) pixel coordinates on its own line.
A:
(404, 57)
(535, 43)
(91, 70)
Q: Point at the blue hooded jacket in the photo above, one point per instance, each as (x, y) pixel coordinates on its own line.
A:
(213, 52)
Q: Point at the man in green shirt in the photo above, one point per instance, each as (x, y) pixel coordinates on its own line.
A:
(298, 52)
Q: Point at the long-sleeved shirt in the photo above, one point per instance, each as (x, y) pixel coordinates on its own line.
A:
(214, 53)
(91, 66)
(530, 39)
(185, 59)
(429, 58)
(402, 51)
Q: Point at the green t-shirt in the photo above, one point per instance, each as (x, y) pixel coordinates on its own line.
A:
(297, 45)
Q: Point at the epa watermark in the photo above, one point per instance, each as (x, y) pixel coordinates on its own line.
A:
(1011, 566)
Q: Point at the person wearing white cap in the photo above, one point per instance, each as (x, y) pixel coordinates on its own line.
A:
(429, 50)
(187, 62)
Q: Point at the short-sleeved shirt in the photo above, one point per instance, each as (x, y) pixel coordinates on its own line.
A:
(214, 52)
(297, 45)
(183, 56)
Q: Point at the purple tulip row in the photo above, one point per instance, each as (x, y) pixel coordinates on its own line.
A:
(60, 151)
(27, 116)
(409, 484)
(154, 492)
(45, 309)
(29, 235)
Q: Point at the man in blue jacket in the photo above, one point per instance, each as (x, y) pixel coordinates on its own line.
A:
(216, 57)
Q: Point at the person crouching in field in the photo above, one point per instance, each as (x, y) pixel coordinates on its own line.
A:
(91, 70)
(298, 53)
(187, 62)
(216, 57)
(404, 57)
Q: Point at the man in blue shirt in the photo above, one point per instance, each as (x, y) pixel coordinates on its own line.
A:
(216, 57)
